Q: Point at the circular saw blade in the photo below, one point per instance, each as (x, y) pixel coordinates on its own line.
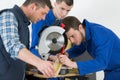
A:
(52, 40)
(55, 41)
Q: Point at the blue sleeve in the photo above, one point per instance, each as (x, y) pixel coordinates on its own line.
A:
(102, 54)
(35, 38)
(75, 51)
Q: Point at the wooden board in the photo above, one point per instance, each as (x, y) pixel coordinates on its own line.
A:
(57, 67)
(35, 73)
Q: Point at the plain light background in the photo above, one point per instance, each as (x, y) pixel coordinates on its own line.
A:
(105, 12)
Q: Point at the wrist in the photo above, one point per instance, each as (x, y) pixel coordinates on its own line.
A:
(74, 65)
(66, 54)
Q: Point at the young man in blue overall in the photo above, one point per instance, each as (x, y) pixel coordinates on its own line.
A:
(100, 42)
(14, 40)
(59, 11)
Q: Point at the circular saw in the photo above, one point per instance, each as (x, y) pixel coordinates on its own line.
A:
(51, 41)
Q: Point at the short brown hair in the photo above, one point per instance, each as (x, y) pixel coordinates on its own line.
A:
(71, 22)
(40, 3)
(68, 2)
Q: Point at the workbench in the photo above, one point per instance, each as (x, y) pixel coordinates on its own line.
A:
(72, 74)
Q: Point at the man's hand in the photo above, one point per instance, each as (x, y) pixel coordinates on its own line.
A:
(46, 68)
(66, 61)
(52, 57)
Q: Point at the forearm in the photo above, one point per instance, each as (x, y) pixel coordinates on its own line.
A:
(66, 61)
(74, 65)
(66, 53)
(26, 56)
(45, 67)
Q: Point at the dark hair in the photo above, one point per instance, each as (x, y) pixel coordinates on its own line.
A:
(39, 3)
(49, 4)
(71, 22)
(68, 2)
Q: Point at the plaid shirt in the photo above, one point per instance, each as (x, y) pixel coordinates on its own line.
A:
(9, 33)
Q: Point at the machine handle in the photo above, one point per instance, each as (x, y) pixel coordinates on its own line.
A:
(63, 49)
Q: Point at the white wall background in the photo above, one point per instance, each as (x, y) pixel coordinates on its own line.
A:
(105, 12)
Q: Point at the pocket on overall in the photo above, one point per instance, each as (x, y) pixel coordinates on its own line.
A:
(4, 64)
